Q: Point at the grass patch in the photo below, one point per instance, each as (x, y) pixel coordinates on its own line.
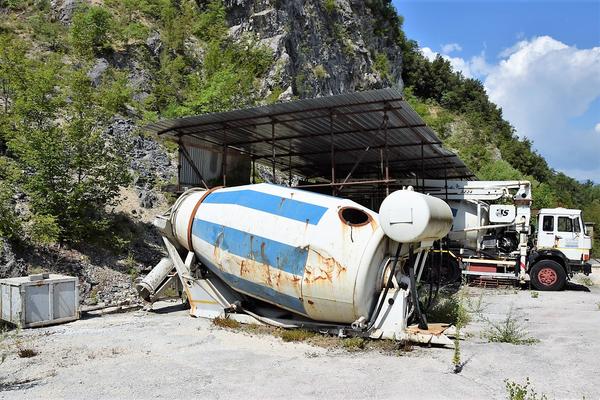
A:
(509, 330)
(517, 391)
(534, 295)
(354, 344)
(313, 338)
(296, 335)
(226, 323)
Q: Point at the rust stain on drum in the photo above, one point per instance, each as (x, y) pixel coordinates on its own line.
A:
(327, 269)
(373, 224)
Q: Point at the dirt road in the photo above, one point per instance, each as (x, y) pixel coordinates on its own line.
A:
(171, 355)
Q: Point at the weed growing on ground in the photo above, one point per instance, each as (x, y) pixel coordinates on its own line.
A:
(131, 265)
(475, 307)
(517, 391)
(534, 295)
(226, 323)
(457, 309)
(509, 330)
(462, 319)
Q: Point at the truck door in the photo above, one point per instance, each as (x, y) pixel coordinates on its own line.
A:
(567, 237)
(546, 232)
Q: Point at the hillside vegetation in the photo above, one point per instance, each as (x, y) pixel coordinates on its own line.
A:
(62, 82)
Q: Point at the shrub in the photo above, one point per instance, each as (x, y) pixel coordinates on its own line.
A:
(320, 72)
(329, 5)
(73, 171)
(382, 65)
(44, 230)
(90, 29)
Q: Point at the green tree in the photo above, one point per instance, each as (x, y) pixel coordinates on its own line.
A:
(10, 224)
(73, 172)
(90, 29)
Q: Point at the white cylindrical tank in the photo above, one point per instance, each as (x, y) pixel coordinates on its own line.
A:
(315, 255)
(407, 217)
(465, 217)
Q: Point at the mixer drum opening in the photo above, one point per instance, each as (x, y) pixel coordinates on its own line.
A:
(354, 216)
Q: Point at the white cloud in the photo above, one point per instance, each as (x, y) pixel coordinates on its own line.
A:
(472, 68)
(540, 84)
(428, 53)
(450, 47)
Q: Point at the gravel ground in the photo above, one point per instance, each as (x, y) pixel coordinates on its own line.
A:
(167, 354)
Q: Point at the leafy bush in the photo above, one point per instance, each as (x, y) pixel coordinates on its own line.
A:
(320, 72)
(10, 224)
(329, 5)
(90, 29)
(44, 229)
(382, 65)
(73, 172)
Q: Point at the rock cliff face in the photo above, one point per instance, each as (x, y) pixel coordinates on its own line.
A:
(320, 47)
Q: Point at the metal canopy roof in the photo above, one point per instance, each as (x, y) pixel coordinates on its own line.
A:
(371, 137)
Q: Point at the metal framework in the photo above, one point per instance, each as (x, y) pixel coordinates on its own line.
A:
(361, 143)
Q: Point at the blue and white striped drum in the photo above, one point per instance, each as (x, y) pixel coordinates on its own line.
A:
(315, 255)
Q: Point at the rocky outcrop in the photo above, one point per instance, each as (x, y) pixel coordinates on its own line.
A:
(150, 161)
(320, 47)
(10, 264)
(63, 9)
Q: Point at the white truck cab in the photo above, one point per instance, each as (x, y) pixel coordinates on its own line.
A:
(563, 229)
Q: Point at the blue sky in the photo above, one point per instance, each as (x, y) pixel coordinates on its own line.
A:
(539, 60)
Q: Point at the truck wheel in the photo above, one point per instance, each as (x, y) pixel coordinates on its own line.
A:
(547, 275)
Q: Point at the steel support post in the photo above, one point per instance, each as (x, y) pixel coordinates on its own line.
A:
(273, 150)
(224, 157)
(332, 151)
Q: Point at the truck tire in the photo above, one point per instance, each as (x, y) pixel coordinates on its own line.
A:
(548, 275)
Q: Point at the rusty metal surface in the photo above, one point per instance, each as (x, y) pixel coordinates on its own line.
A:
(287, 247)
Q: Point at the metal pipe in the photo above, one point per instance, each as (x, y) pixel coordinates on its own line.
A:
(332, 150)
(273, 149)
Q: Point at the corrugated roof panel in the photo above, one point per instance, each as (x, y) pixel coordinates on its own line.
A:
(303, 130)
